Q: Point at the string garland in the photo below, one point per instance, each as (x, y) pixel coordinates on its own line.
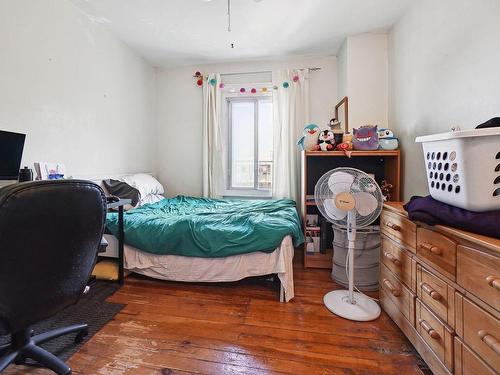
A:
(213, 82)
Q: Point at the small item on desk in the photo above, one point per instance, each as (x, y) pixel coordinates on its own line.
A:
(49, 171)
(25, 174)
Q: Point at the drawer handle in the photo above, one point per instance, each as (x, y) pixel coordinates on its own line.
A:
(393, 226)
(429, 247)
(394, 291)
(430, 331)
(431, 292)
(489, 340)
(392, 258)
(494, 282)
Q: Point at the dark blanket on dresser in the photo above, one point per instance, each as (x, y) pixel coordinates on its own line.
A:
(432, 212)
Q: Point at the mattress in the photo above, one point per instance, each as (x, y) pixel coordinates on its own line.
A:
(196, 269)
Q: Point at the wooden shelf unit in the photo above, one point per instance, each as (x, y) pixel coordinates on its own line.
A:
(384, 164)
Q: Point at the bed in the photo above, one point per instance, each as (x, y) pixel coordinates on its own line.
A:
(211, 240)
(226, 269)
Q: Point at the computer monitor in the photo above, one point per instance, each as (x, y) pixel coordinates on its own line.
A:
(11, 152)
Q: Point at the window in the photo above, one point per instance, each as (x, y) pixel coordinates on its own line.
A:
(250, 151)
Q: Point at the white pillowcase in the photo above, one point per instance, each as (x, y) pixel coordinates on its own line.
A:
(150, 189)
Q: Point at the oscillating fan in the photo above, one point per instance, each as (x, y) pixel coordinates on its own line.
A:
(350, 199)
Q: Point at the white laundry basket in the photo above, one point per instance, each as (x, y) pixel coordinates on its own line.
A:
(463, 168)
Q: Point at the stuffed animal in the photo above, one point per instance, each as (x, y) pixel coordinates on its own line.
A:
(365, 138)
(309, 141)
(387, 140)
(346, 144)
(334, 125)
(326, 141)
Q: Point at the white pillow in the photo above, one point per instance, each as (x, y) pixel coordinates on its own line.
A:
(146, 184)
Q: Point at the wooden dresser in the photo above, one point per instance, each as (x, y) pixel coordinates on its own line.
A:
(441, 286)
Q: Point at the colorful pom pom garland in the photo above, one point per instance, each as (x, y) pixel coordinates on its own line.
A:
(199, 81)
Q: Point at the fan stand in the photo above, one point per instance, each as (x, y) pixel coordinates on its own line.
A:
(347, 303)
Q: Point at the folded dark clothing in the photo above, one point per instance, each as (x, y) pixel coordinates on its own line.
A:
(432, 212)
(491, 123)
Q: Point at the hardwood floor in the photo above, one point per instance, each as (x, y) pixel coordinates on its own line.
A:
(237, 328)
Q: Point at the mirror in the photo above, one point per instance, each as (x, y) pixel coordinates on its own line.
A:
(342, 113)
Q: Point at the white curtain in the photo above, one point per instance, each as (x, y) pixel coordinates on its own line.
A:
(213, 140)
(290, 115)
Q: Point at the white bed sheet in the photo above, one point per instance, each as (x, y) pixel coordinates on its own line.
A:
(194, 269)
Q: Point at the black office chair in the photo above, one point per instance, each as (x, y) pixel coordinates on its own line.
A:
(50, 232)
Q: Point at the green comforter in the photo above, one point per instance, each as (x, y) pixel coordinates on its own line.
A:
(209, 228)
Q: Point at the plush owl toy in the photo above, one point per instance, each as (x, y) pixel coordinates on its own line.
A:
(309, 141)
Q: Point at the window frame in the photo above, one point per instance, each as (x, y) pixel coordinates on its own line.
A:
(245, 191)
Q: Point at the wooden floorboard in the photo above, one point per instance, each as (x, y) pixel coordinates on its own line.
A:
(172, 328)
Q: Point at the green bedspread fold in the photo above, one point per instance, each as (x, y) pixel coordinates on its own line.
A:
(209, 228)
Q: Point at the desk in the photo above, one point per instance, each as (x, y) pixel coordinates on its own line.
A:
(121, 235)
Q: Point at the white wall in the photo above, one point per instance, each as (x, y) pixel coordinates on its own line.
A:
(362, 76)
(342, 71)
(179, 115)
(444, 63)
(81, 96)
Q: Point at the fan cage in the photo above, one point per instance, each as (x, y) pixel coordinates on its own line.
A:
(361, 182)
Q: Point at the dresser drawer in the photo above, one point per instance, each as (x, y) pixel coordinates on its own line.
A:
(435, 333)
(436, 294)
(479, 273)
(399, 294)
(479, 329)
(438, 251)
(399, 262)
(399, 228)
(467, 362)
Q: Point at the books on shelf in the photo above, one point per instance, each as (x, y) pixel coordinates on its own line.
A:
(312, 220)
(310, 199)
(319, 235)
(312, 239)
(323, 240)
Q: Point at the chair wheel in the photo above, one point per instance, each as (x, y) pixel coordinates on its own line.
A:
(20, 360)
(81, 335)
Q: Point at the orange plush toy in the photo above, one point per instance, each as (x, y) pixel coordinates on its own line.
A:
(346, 145)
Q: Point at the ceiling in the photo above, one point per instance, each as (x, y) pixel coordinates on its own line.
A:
(188, 32)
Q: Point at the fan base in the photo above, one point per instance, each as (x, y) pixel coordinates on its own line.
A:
(364, 309)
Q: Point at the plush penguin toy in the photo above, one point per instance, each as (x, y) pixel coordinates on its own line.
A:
(326, 141)
(309, 141)
(387, 140)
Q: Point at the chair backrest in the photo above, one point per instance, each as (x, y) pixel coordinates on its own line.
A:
(50, 232)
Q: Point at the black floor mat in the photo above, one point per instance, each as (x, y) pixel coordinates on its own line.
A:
(92, 309)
